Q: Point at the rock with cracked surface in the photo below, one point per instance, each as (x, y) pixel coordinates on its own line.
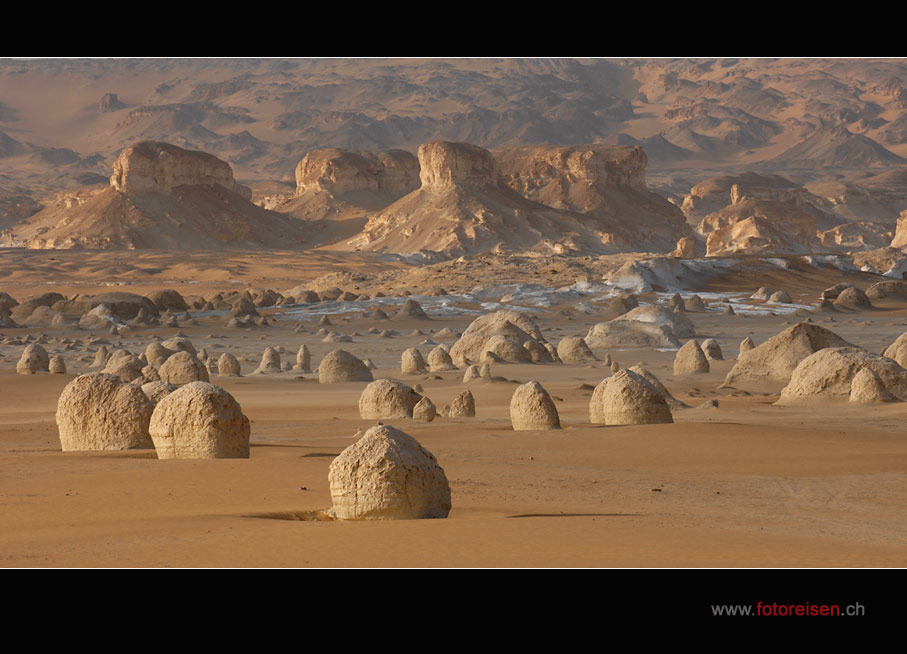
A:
(387, 475)
(386, 398)
(98, 411)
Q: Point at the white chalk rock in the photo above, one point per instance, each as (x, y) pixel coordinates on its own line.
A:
(531, 407)
(98, 411)
(626, 398)
(386, 398)
(341, 366)
(387, 475)
(199, 421)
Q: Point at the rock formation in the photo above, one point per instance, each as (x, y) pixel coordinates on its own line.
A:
(828, 375)
(183, 368)
(387, 475)
(503, 333)
(411, 361)
(690, 359)
(439, 359)
(626, 398)
(341, 366)
(648, 326)
(228, 366)
(531, 407)
(97, 411)
(572, 349)
(867, 388)
(199, 421)
(463, 406)
(386, 399)
(770, 364)
(162, 196)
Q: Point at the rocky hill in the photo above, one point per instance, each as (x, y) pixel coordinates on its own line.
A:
(160, 196)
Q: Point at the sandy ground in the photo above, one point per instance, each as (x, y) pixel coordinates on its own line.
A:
(745, 485)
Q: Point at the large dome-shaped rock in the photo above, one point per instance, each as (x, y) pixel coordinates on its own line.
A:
(97, 411)
(828, 375)
(573, 349)
(387, 475)
(626, 398)
(648, 326)
(690, 359)
(503, 333)
(183, 368)
(386, 398)
(200, 421)
(770, 364)
(531, 407)
(341, 366)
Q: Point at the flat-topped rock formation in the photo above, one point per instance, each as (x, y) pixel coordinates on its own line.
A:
(551, 200)
(160, 196)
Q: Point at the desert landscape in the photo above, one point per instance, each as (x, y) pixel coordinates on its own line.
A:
(453, 313)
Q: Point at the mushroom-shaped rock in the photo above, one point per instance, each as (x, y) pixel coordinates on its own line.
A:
(690, 359)
(463, 406)
(386, 398)
(183, 368)
(712, 349)
(425, 410)
(57, 365)
(411, 361)
(98, 411)
(439, 360)
(387, 475)
(626, 398)
(868, 388)
(303, 359)
(228, 366)
(199, 421)
(573, 349)
(341, 366)
(532, 408)
(270, 361)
